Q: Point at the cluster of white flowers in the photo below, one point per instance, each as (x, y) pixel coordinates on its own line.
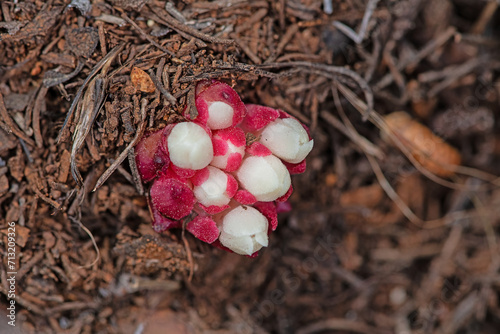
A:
(205, 166)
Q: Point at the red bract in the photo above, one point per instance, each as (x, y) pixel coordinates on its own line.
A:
(204, 228)
(258, 117)
(245, 197)
(172, 197)
(162, 223)
(296, 168)
(218, 105)
(205, 175)
(229, 148)
(268, 209)
(258, 150)
(150, 156)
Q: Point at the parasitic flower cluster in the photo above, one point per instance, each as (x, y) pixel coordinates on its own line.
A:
(225, 171)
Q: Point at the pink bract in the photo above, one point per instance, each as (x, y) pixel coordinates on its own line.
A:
(268, 209)
(258, 150)
(162, 223)
(295, 168)
(258, 117)
(203, 228)
(150, 157)
(245, 197)
(172, 197)
(221, 98)
(229, 148)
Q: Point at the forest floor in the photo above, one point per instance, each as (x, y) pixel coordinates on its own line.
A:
(385, 235)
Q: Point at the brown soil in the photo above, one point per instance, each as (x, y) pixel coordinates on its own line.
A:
(376, 242)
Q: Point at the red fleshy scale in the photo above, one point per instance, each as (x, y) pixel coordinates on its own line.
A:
(201, 176)
(233, 162)
(216, 91)
(220, 146)
(234, 135)
(172, 197)
(213, 209)
(203, 228)
(185, 173)
(220, 142)
(257, 149)
(162, 223)
(258, 117)
(298, 168)
(231, 186)
(268, 209)
(245, 197)
(285, 197)
(150, 157)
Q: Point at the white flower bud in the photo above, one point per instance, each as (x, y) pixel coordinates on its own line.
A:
(214, 190)
(264, 177)
(190, 146)
(244, 230)
(220, 115)
(287, 139)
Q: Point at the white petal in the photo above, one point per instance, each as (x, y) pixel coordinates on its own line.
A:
(239, 245)
(262, 239)
(244, 221)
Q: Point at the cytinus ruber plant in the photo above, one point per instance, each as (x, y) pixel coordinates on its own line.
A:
(226, 171)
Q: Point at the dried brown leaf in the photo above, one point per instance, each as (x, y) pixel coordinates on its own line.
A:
(141, 80)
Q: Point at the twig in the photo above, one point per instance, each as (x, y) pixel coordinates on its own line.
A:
(164, 18)
(94, 243)
(485, 17)
(90, 106)
(393, 195)
(330, 72)
(412, 61)
(130, 146)
(327, 6)
(291, 31)
(21, 273)
(456, 73)
(362, 142)
(146, 36)
(10, 126)
(79, 93)
(36, 116)
(135, 172)
(248, 51)
(358, 37)
(26, 150)
(188, 253)
(335, 324)
(162, 89)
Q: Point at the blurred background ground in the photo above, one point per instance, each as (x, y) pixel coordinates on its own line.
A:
(351, 257)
